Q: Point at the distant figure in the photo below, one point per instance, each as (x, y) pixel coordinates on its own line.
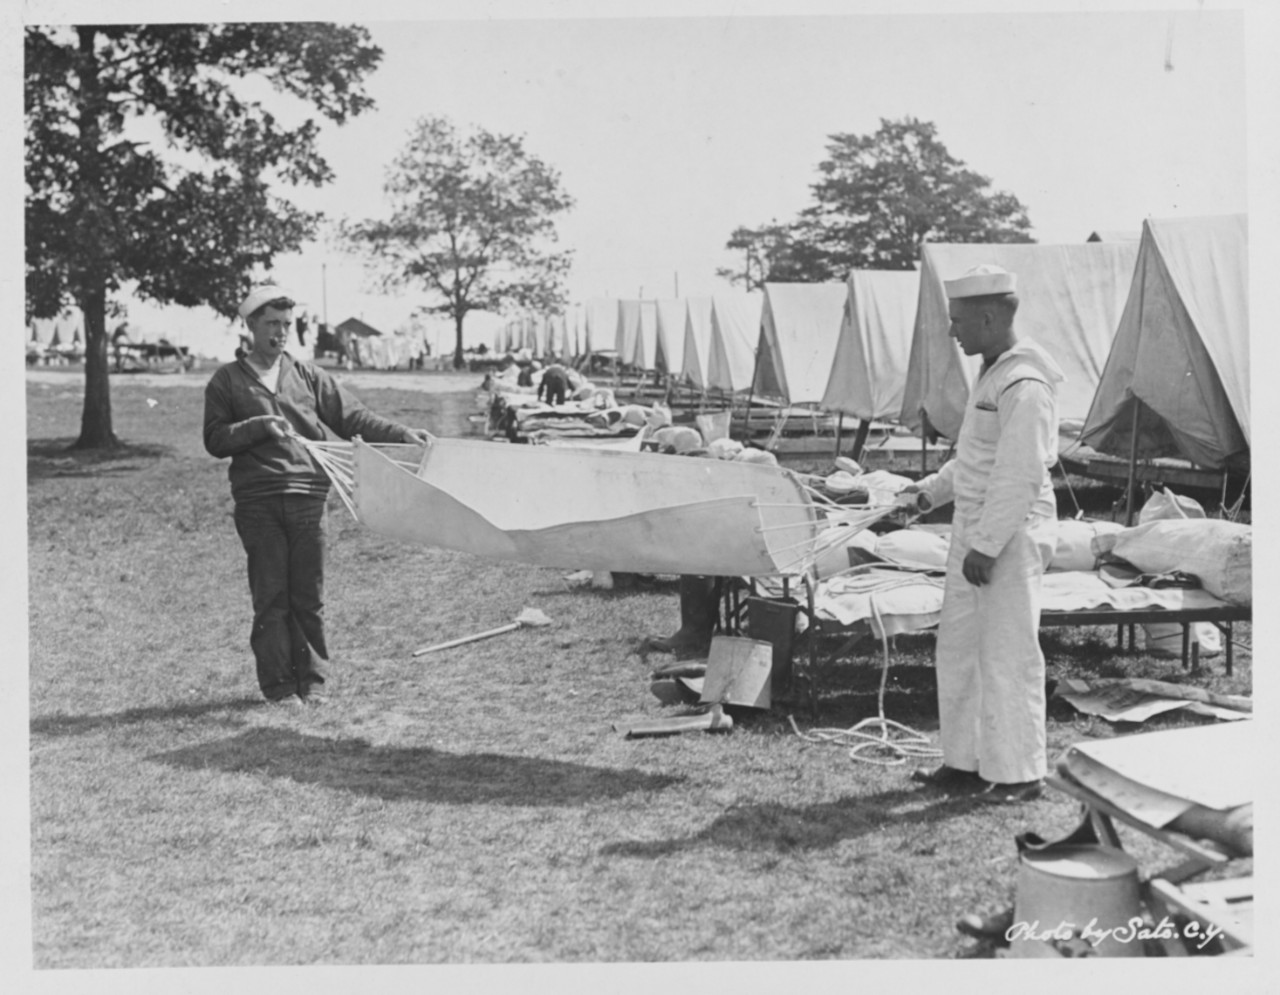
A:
(301, 326)
(525, 379)
(119, 338)
(555, 381)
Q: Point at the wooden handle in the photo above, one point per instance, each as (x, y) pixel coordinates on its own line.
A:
(467, 639)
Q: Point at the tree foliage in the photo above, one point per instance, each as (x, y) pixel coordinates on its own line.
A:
(189, 221)
(777, 252)
(878, 198)
(472, 221)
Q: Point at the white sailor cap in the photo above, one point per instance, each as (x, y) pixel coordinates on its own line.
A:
(982, 281)
(262, 295)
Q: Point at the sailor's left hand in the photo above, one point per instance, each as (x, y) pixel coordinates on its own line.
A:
(417, 437)
(977, 567)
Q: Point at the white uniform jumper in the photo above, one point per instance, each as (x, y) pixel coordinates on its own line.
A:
(991, 700)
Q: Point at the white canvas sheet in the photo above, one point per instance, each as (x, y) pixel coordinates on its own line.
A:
(592, 509)
(869, 370)
(735, 329)
(1071, 298)
(1182, 347)
(799, 329)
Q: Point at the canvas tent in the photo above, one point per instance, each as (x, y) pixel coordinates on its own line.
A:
(600, 324)
(627, 339)
(1114, 236)
(799, 328)
(697, 341)
(647, 342)
(669, 345)
(1071, 297)
(869, 370)
(1180, 360)
(735, 329)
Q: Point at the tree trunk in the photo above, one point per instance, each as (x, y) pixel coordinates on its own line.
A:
(458, 361)
(89, 273)
(95, 420)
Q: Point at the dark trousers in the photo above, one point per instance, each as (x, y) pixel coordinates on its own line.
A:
(284, 539)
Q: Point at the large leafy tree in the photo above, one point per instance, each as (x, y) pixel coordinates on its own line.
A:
(189, 217)
(472, 221)
(878, 198)
(777, 252)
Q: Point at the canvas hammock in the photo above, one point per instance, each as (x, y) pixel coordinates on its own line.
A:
(582, 509)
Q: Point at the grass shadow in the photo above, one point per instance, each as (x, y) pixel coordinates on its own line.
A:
(76, 725)
(775, 828)
(48, 458)
(414, 773)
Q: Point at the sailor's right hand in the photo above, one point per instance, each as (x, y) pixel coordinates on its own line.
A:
(277, 426)
(913, 498)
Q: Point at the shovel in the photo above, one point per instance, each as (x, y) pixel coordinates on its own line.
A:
(528, 617)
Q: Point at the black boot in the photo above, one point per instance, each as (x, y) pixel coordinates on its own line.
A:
(699, 618)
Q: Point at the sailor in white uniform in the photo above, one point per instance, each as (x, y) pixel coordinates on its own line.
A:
(990, 670)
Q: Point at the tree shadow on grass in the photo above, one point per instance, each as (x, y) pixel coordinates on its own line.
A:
(414, 773)
(775, 828)
(77, 725)
(47, 458)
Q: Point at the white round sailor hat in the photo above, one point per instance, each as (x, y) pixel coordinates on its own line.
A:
(263, 295)
(982, 281)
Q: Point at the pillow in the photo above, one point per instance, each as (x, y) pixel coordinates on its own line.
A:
(1073, 549)
(914, 547)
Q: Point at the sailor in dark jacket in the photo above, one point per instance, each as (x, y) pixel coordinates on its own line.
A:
(254, 410)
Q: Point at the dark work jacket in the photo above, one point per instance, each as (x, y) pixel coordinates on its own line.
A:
(236, 408)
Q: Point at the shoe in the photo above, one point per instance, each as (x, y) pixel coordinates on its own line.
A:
(288, 701)
(946, 778)
(992, 928)
(315, 699)
(1011, 794)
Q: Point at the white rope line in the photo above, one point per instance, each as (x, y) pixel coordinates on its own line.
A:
(336, 461)
(879, 747)
(828, 539)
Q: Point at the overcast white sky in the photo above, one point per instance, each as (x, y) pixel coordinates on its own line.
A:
(671, 131)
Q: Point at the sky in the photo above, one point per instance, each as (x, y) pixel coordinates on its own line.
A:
(669, 132)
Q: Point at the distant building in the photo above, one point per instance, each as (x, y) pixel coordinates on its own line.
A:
(356, 327)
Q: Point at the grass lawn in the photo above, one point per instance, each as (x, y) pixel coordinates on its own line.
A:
(472, 806)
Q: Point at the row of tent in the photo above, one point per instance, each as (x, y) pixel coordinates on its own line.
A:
(1151, 333)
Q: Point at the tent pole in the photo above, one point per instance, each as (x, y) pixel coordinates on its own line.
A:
(1133, 463)
(839, 430)
(755, 370)
(924, 442)
(860, 438)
